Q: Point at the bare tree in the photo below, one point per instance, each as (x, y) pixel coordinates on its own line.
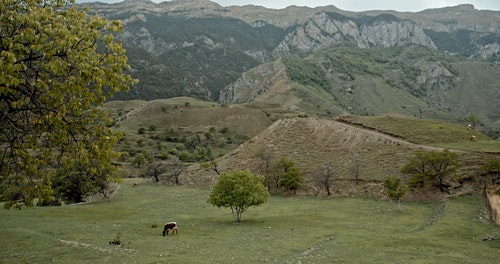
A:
(176, 169)
(266, 155)
(325, 176)
(355, 167)
(156, 169)
(211, 165)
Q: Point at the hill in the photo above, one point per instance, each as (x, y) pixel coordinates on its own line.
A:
(185, 128)
(375, 146)
(409, 80)
(438, 63)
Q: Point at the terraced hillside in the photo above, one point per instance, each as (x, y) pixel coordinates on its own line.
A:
(345, 142)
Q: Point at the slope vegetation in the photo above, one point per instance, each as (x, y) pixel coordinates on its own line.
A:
(377, 146)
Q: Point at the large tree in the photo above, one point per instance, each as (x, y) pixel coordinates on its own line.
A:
(239, 190)
(431, 167)
(58, 65)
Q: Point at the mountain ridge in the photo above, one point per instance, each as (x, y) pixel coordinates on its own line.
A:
(201, 49)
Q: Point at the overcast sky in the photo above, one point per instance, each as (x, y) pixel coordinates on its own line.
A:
(353, 5)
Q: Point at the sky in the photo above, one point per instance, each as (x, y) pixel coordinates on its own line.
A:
(354, 5)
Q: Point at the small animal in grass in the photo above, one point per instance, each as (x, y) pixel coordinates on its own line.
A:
(170, 226)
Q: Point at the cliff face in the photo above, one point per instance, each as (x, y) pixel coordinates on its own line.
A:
(324, 30)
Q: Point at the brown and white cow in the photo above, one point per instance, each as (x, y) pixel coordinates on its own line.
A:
(170, 226)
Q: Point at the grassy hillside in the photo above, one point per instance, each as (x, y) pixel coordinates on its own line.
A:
(285, 230)
(192, 130)
(408, 80)
(197, 131)
(428, 132)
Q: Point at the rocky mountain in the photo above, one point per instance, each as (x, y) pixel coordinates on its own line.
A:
(438, 63)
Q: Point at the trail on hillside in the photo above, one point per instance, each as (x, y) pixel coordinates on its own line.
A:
(310, 143)
(393, 138)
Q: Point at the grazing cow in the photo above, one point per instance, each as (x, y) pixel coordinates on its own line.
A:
(170, 226)
(469, 127)
(136, 184)
(473, 138)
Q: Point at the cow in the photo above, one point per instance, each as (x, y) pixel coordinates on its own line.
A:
(136, 184)
(473, 138)
(170, 226)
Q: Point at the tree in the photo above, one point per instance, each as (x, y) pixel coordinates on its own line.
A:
(156, 169)
(395, 189)
(474, 120)
(291, 179)
(210, 165)
(278, 169)
(355, 167)
(239, 190)
(492, 166)
(139, 160)
(57, 64)
(325, 176)
(78, 183)
(176, 168)
(431, 166)
(266, 156)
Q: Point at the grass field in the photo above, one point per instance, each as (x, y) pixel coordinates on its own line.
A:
(287, 229)
(428, 132)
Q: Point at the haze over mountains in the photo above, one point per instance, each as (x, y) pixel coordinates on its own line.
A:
(438, 63)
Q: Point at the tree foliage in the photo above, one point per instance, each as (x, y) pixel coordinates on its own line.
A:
(431, 167)
(58, 65)
(291, 179)
(239, 190)
(492, 167)
(474, 120)
(395, 189)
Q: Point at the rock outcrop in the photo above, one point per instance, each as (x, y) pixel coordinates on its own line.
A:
(325, 30)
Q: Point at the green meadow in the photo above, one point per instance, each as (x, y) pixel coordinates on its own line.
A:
(287, 229)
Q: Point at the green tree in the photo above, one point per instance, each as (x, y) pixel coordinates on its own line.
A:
(286, 175)
(239, 190)
(474, 120)
(492, 167)
(57, 64)
(431, 166)
(277, 169)
(79, 182)
(139, 160)
(291, 179)
(395, 189)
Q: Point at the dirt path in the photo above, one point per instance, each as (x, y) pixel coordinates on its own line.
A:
(392, 138)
